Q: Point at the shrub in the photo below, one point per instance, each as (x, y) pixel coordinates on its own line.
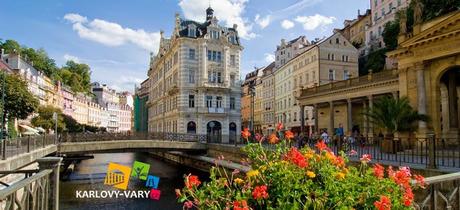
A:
(308, 178)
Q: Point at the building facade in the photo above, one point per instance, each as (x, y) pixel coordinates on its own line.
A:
(247, 99)
(355, 30)
(268, 99)
(141, 97)
(382, 11)
(288, 50)
(194, 86)
(325, 61)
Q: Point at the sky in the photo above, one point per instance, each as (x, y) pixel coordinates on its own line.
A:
(116, 37)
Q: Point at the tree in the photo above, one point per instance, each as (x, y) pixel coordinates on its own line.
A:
(45, 118)
(77, 76)
(71, 125)
(40, 60)
(376, 60)
(395, 115)
(19, 102)
(10, 46)
(390, 34)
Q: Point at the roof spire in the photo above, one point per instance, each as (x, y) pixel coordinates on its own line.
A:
(209, 12)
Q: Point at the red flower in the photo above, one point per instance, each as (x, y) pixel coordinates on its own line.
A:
(288, 135)
(339, 161)
(408, 196)
(321, 145)
(366, 158)
(379, 171)
(260, 192)
(402, 178)
(240, 205)
(279, 126)
(192, 181)
(420, 180)
(188, 204)
(245, 133)
(296, 158)
(383, 204)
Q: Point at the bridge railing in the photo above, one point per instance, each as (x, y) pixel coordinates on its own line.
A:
(166, 136)
(15, 146)
(442, 192)
(39, 191)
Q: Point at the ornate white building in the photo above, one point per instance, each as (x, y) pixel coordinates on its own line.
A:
(194, 84)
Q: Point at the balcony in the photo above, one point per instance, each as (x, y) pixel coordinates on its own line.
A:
(173, 90)
(215, 85)
(216, 110)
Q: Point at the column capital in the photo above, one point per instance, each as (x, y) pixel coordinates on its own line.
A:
(419, 66)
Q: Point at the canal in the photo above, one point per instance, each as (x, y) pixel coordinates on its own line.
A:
(88, 175)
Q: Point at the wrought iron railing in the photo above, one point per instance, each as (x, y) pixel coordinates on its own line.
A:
(442, 192)
(20, 145)
(29, 193)
(166, 136)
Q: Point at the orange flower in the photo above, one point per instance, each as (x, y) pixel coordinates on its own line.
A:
(383, 204)
(408, 196)
(240, 205)
(245, 133)
(191, 181)
(279, 126)
(339, 161)
(288, 135)
(296, 158)
(273, 139)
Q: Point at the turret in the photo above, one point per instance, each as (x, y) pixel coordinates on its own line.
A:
(209, 13)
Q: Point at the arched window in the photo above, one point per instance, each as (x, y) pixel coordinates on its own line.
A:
(191, 127)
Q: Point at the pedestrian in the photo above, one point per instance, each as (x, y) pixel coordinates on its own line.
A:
(325, 136)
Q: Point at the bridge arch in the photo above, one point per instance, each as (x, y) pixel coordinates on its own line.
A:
(191, 127)
(214, 131)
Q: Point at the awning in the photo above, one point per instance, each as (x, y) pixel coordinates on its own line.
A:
(29, 129)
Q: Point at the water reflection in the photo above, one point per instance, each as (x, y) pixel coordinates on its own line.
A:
(89, 175)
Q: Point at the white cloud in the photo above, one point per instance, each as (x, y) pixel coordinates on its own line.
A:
(228, 11)
(313, 22)
(262, 22)
(287, 24)
(68, 57)
(269, 57)
(113, 34)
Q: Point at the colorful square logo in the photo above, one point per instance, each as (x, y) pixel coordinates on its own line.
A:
(155, 194)
(140, 170)
(117, 176)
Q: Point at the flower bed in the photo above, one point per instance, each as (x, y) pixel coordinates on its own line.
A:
(307, 178)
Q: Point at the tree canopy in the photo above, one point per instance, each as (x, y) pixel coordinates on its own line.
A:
(19, 102)
(75, 75)
(45, 118)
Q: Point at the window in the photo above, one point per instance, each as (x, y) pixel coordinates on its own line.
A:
(332, 57)
(219, 101)
(191, 31)
(219, 56)
(329, 56)
(232, 103)
(219, 77)
(337, 41)
(191, 76)
(345, 74)
(343, 57)
(214, 55)
(295, 116)
(232, 80)
(209, 55)
(232, 60)
(208, 101)
(331, 74)
(214, 34)
(399, 3)
(191, 54)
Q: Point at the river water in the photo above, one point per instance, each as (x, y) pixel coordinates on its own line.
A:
(88, 175)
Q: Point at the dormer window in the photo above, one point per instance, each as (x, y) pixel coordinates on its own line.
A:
(214, 34)
(191, 30)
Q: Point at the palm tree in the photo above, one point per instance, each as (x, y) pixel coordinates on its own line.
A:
(394, 115)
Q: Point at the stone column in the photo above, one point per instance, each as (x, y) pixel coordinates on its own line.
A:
(315, 111)
(54, 164)
(421, 95)
(349, 115)
(302, 119)
(371, 124)
(331, 119)
(452, 92)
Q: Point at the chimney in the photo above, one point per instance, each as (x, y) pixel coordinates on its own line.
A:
(359, 12)
(283, 42)
(2, 53)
